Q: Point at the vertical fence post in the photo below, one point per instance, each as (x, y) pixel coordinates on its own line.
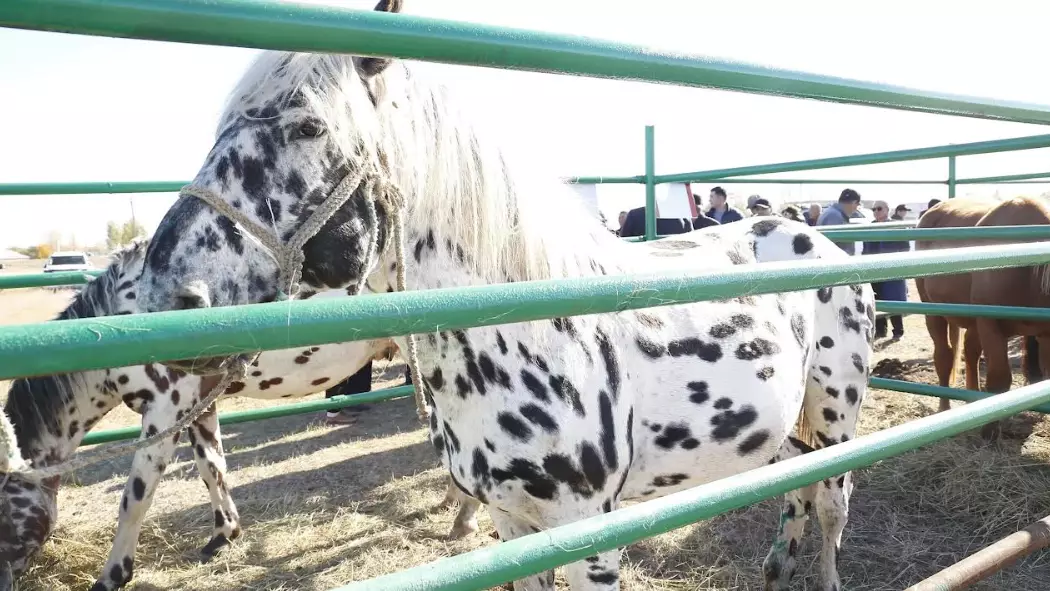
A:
(650, 184)
(951, 177)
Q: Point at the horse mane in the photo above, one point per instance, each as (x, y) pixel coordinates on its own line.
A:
(36, 405)
(512, 220)
(98, 297)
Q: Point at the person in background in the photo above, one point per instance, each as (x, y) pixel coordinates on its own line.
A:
(702, 220)
(791, 212)
(813, 214)
(622, 218)
(840, 213)
(634, 224)
(720, 210)
(900, 212)
(929, 206)
(894, 290)
(760, 207)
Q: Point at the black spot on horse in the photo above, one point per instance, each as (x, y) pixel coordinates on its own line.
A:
(802, 244)
(848, 321)
(607, 435)
(138, 488)
(722, 330)
(710, 352)
(612, 365)
(852, 395)
(826, 342)
(673, 435)
(833, 392)
(535, 482)
(830, 415)
(765, 227)
(728, 423)
(765, 373)
(858, 363)
(462, 386)
(514, 426)
(540, 417)
(752, 442)
(501, 343)
(699, 393)
(592, 466)
(436, 379)
(723, 403)
(798, 328)
(567, 393)
(824, 294)
(534, 385)
(561, 469)
(650, 349)
(825, 370)
(756, 348)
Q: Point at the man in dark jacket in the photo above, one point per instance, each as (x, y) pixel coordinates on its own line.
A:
(895, 290)
(634, 224)
(720, 210)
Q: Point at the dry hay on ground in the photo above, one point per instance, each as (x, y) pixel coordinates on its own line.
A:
(322, 506)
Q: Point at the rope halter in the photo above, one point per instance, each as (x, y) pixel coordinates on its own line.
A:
(290, 258)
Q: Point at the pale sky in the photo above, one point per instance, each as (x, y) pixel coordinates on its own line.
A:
(77, 108)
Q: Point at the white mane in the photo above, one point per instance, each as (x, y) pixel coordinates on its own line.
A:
(514, 223)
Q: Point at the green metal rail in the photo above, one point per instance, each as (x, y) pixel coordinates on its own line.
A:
(95, 343)
(258, 414)
(333, 29)
(511, 560)
(47, 279)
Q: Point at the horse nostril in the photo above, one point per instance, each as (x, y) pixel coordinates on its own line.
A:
(189, 302)
(192, 297)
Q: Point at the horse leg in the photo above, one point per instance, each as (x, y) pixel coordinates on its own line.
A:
(972, 355)
(998, 378)
(466, 521)
(943, 352)
(1038, 348)
(510, 528)
(779, 565)
(211, 464)
(147, 468)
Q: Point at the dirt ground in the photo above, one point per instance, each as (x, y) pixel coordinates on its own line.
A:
(323, 506)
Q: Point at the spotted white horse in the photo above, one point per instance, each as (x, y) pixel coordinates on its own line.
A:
(51, 415)
(545, 422)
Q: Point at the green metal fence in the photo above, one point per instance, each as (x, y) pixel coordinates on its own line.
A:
(136, 339)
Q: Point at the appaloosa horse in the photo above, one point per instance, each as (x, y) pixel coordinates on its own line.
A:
(51, 415)
(545, 422)
(1021, 286)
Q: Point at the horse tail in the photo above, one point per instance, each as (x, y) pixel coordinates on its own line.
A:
(803, 429)
(1030, 360)
(955, 338)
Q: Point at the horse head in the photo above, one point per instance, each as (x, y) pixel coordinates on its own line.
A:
(297, 129)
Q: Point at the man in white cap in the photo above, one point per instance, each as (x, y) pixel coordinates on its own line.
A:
(894, 290)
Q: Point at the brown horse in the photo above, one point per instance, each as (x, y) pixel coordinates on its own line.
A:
(1021, 286)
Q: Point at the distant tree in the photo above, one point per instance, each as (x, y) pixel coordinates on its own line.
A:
(42, 251)
(121, 234)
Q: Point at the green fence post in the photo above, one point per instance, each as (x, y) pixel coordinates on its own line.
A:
(650, 184)
(951, 177)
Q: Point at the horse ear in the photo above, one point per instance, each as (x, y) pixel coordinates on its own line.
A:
(373, 66)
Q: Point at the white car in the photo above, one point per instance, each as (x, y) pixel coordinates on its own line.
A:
(68, 261)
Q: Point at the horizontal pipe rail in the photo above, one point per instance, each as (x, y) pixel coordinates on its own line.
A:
(969, 149)
(510, 560)
(91, 188)
(779, 181)
(259, 414)
(1037, 177)
(965, 310)
(47, 279)
(873, 232)
(95, 343)
(605, 180)
(335, 29)
(989, 560)
(934, 391)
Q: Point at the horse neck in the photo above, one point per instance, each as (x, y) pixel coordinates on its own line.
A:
(51, 414)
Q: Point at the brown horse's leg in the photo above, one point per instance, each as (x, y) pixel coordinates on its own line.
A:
(972, 355)
(998, 379)
(1039, 348)
(943, 353)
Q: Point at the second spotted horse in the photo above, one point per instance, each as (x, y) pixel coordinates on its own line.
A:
(51, 414)
(545, 422)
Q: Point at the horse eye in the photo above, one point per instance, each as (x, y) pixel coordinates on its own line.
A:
(310, 129)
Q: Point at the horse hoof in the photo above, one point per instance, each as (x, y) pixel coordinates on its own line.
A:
(462, 530)
(213, 547)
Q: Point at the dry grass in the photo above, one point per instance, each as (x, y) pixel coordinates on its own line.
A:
(323, 506)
